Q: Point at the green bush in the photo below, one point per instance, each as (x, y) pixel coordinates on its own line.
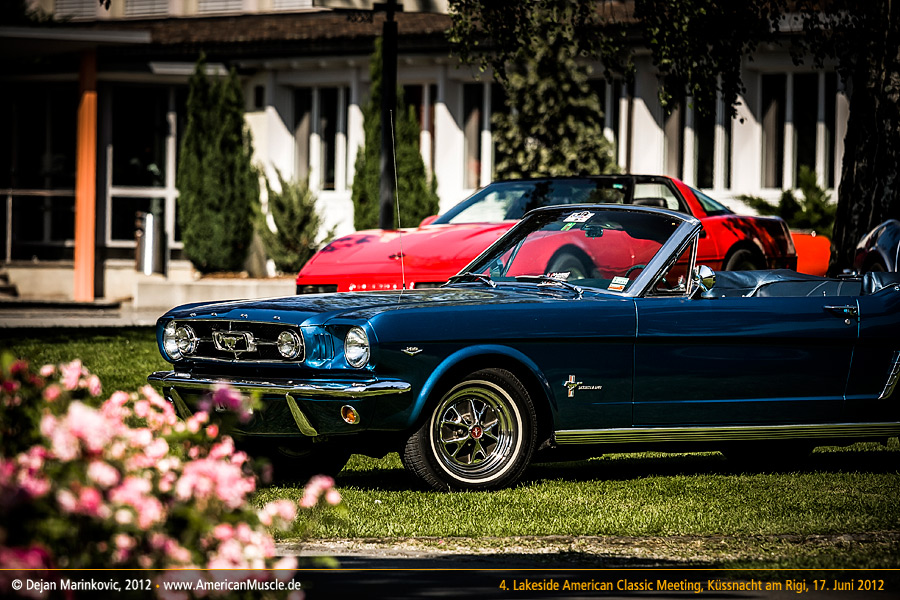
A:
(813, 211)
(296, 238)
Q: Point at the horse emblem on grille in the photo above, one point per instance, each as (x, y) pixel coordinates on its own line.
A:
(236, 342)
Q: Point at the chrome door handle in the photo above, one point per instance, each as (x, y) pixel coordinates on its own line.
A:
(843, 311)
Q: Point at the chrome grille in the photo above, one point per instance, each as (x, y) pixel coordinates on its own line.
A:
(239, 341)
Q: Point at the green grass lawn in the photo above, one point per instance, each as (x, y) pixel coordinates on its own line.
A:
(854, 490)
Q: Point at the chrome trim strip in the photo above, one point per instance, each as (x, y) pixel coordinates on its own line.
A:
(893, 376)
(335, 389)
(725, 433)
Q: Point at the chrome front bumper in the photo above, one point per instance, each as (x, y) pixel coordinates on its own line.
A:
(305, 389)
(306, 408)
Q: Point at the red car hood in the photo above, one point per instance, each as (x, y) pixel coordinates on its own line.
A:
(371, 258)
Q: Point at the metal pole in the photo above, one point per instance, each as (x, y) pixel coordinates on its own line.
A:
(388, 104)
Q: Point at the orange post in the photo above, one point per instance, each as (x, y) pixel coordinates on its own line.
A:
(86, 179)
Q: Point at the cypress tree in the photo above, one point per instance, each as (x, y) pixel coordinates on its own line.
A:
(553, 124)
(417, 196)
(297, 224)
(217, 182)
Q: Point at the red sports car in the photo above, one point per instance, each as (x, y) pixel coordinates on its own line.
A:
(441, 246)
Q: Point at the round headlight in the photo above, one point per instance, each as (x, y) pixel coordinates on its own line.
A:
(356, 347)
(290, 345)
(169, 343)
(179, 340)
(186, 339)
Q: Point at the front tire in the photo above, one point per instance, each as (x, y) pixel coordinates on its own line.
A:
(479, 436)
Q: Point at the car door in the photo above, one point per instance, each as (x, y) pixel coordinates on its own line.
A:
(738, 360)
(873, 392)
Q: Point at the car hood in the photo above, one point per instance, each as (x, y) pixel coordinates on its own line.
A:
(434, 251)
(317, 309)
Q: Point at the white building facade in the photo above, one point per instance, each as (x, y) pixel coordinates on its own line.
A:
(306, 79)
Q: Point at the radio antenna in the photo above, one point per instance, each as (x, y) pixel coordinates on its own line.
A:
(397, 202)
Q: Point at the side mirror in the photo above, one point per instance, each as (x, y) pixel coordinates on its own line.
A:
(706, 278)
(428, 220)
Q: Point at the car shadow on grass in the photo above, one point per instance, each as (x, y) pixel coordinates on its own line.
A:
(860, 458)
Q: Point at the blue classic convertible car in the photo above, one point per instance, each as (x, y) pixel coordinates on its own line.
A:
(631, 346)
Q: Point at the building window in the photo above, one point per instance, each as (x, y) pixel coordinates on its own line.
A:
(37, 171)
(773, 121)
(219, 6)
(291, 4)
(421, 99)
(674, 132)
(473, 106)
(37, 137)
(76, 9)
(139, 144)
(798, 122)
(320, 134)
(146, 8)
(142, 147)
(813, 112)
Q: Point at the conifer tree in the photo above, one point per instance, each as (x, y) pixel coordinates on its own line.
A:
(417, 195)
(217, 182)
(297, 224)
(553, 123)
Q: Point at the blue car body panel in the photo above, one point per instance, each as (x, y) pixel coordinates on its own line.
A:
(763, 355)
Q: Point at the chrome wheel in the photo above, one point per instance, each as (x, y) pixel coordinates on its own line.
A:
(475, 429)
(479, 436)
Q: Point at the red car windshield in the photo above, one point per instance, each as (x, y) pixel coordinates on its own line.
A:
(510, 200)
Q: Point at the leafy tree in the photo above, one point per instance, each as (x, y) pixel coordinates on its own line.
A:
(699, 45)
(218, 186)
(813, 211)
(296, 238)
(417, 196)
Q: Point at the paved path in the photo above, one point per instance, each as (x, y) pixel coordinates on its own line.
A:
(46, 313)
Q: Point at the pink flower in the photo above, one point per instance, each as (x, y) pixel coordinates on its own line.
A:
(52, 393)
(102, 473)
(48, 370)
(333, 497)
(317, 487)
(137, 493)
(89, 426)
(212, 431)
(71, 374)
(94, 386)
(229, 399)
(223, 532)
(67, 501)
(90, 502)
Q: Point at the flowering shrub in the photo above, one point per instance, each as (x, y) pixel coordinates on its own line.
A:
(123, 483)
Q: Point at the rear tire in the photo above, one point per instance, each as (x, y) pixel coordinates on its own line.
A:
(479, 436)
(742, 259)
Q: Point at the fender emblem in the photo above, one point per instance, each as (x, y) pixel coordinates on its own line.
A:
(411, 350)
(573, 385)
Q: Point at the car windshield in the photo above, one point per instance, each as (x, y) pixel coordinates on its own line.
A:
(510, 200)
(589, 246)
(710, 206)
